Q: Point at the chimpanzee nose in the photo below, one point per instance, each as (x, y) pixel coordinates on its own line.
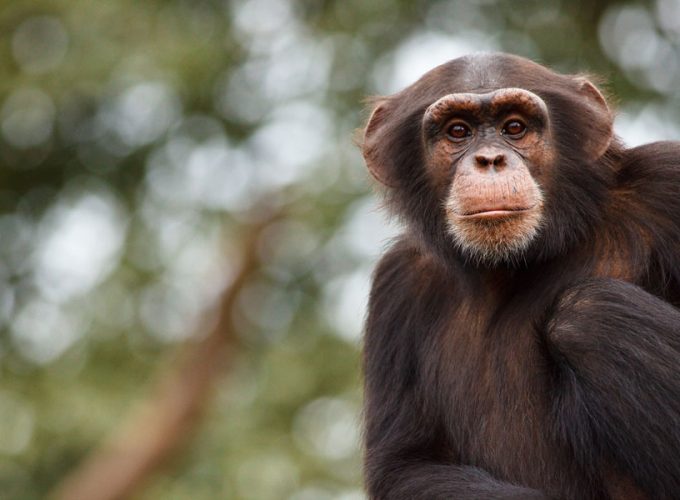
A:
(492, 159)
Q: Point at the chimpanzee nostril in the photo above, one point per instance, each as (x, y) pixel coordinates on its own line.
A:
(482, 160)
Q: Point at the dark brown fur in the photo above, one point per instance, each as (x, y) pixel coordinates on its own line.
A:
(555, 375)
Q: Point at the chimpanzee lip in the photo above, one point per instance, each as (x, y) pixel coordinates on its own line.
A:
(493, 213)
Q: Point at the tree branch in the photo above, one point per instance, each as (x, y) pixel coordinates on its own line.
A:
(158, 428)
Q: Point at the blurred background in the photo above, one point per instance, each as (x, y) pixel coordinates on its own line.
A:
(187, 230)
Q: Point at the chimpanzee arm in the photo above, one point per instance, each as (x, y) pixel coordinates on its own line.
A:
(429, 480)
(405, 459)
(618, 352)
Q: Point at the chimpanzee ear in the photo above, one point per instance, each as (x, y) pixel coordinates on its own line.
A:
(373, 146)
(601, 118)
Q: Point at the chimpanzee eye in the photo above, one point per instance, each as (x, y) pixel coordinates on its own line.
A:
(514, 129)
(459, 131)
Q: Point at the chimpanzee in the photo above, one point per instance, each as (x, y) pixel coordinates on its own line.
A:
(523, 336)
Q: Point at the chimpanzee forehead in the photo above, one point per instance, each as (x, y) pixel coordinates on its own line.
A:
(480, 73)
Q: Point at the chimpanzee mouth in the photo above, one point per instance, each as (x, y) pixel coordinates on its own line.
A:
(495, 213)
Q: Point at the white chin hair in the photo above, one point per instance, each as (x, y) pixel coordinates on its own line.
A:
(495, 241)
